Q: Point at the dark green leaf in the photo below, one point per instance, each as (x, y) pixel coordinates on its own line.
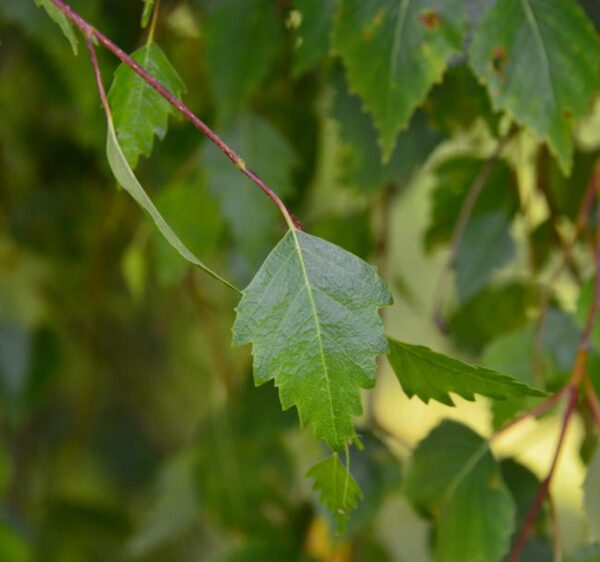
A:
(311, 314)
(243, 38)
(313, 34)
(62, 21)
(486, 246)
(431, 375)
(139, 111)
(455, 479)
(362, 165)
(253, 220)
(591, 490)
(540, 61)
(394, 52)
(337, 488)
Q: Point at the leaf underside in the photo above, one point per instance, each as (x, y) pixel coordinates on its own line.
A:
(432, 376)
(311, 314)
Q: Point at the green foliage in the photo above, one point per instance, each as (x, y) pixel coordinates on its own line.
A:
(336, 488)
(62, 21)
(139, 111)
(147, 13)
(445, 375)
(312, 334)
(395, 34)
(523, 62)
(455, 479)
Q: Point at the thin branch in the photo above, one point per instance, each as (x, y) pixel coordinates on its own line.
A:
(89, 31)
(461, 224)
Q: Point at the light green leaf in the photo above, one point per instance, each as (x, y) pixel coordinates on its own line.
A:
(311, 314)
(139, 111)
(455, 480)
(148, 6)
(62, 21)
(432, 376)
(313, 32)
(540, 62)
(591, 490)
(253, 219)
(337, 488)
(243, 38)
(486, 246)
(127, 180)
(395, 51)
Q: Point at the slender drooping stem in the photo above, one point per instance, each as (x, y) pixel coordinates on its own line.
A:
(89, 31)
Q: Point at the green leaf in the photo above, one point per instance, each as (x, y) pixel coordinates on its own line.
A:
(148, 6)
(337, 488)
(253, 220)
(243, 39)
(311, 314)
(591, 489)
(431, 375)
(313, 32)
(127, 180)
(540, 62)
(455, 479)
(394, 52)
(63, 22)
(486, 246)
(139, 111)
(361, 156)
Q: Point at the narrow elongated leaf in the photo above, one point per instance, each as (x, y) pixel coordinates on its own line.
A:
(394, 51)
(148, 6)
(139, 111)
(432, 376)
(337, 488)
(591, 490)
(311, 314)
(243, 38)
(540, 61)
(62, 22)
(455, 479)
(127, 180)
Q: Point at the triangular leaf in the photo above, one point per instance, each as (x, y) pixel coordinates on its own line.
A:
(455, 479)
(139, 111)
(540, 62)
(62, 21)
(337, 488)
(432, 376)
(127, 180)
(411, 40)
(311, 314)
(591, 489)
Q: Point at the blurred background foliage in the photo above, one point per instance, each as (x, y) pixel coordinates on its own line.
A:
(130, 429)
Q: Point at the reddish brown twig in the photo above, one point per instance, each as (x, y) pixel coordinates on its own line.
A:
(90, 31)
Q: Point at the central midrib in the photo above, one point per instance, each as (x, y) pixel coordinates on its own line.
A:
(318, 328)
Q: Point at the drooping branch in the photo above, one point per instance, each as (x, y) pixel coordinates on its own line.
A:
(89, 30)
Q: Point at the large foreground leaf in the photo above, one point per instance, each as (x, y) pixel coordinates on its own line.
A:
(592, 495)
(540, 61)
(455, 479)
(127, 180)
(337, 489)
(311, 314)
(432, 376)
(394, 51)
(139, 111)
